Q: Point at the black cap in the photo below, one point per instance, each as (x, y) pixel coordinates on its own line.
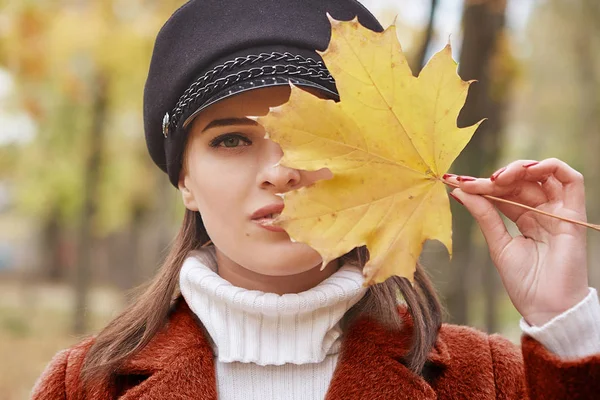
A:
(212, 49)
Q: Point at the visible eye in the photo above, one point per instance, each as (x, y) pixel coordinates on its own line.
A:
(230, 140)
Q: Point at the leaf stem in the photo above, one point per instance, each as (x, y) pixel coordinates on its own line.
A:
(493, 198)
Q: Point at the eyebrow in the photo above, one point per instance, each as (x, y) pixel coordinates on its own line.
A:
(229, 121)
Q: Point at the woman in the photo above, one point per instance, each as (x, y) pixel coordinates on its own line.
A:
(238, 311)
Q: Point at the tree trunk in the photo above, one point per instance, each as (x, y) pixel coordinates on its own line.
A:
(131, 268)
(419, 60)
(52, 265)
(90, 196)
(483, 22)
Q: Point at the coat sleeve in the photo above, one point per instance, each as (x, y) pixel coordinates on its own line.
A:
(549, 377)
(51, 385)
(538, 374)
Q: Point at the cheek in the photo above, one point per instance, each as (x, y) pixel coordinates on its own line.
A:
(222, 190)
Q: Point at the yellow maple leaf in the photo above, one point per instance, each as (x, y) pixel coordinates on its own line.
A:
(387, 142)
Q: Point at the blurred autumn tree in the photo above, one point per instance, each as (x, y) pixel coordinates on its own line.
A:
(80, 67)
(414, 39)
(481, 53)
(484, 57)
(557, 111)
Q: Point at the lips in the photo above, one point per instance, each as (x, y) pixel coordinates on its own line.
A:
(264, 216)
(268, 211)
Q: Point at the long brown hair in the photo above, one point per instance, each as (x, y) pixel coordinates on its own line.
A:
(131, 331)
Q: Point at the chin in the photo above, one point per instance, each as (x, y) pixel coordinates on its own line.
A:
(283, 259)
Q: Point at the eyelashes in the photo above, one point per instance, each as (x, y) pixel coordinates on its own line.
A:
(230, 140)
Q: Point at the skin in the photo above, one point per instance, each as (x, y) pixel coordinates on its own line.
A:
(227, 184)
(544, 270)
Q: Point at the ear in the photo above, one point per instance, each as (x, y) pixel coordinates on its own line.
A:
(187, 195)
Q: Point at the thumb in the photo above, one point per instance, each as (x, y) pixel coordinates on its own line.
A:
(488, 218)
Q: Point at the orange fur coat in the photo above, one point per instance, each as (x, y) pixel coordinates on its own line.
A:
(465, 364)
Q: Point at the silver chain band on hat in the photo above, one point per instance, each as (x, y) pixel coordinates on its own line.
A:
(206, 85)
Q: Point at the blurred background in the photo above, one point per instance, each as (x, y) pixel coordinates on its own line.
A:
(85, 216)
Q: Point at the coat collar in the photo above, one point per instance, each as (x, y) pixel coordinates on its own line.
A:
(377, 353)
(369, 348)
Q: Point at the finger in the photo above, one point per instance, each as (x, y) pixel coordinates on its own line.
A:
(559, 181)
(520, 171)
(474, 185)
(490, 222)
(524, 192)
(572, 191)
(515, 171)
(553, 188)
(527, 193)
(505, 181)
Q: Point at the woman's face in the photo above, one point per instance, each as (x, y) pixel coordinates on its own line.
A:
(231, 172)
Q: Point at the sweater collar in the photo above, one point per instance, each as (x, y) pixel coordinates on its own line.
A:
(267, 328)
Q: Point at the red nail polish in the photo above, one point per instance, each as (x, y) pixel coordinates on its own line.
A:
(446, 176)
(531, 164)
(495, 174)
(465, 178)
(456, 198)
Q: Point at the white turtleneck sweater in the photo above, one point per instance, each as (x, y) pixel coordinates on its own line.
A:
(270, 346)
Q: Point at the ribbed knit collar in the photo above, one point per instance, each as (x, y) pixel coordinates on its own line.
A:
(267, 328)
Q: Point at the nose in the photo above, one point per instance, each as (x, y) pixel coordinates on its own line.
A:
(277, 177)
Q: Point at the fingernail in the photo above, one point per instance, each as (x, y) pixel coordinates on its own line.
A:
(495, 174)
(465, 178)
(456, 198)
(446, 176)
(531, 164)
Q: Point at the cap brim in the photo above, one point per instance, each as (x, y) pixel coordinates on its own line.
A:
(257, 83)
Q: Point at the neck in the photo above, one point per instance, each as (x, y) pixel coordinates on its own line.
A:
(247, 279)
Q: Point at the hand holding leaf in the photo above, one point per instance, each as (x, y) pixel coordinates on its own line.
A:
(544, 270)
